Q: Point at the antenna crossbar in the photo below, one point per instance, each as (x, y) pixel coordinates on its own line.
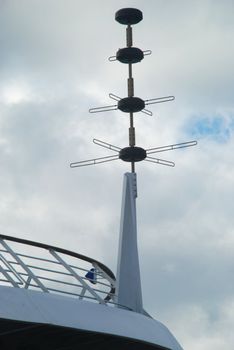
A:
(106, 145)
(171, 147)
(103, 109)
(93, 161)
(160, 161)
(159, 100)
(146, 111)
(115, 97)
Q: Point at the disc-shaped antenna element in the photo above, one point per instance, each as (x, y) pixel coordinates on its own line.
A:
(131, 104)
(128, 16)
(132, 154)
(129, 55)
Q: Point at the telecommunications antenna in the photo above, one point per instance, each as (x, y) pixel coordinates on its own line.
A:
(131, 104)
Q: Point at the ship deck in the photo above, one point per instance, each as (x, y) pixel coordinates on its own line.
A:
(51, 298)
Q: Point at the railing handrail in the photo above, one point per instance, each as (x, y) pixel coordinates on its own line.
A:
(60, 250)
(35, 280)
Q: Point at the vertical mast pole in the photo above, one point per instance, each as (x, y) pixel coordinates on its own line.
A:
(129, 292)
(132, 140)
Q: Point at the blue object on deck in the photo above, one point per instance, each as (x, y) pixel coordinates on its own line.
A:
(91, 276)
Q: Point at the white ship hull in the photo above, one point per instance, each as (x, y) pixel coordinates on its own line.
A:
(35, 308)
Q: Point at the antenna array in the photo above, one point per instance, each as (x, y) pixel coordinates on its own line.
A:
(131, 104)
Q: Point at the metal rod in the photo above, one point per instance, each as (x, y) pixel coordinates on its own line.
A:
(131, 120)
(159, 100)
(146, 111)
(11, 269)
(130, 70)
(8, 277)
(113, 58)
(132, 140)
(103, 109)
(147, 52)
(33, 257)
(24, 266)
(47, 270)
(130, 86)
(106, 145)
(160, 161)
(129, 36)
(93, 161)
(130, 94)
(171, 147)
(114, 97)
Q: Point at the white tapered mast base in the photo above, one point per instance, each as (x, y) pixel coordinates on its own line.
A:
(128, 270)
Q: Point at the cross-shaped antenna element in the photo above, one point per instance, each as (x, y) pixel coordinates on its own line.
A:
(131, 104)
(133, 154)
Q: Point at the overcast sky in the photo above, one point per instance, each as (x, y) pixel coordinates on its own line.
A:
(54, 67)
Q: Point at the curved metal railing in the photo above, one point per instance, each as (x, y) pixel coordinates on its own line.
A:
(32, 265)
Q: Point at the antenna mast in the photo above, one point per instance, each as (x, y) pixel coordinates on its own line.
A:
(131, 104)
(128, 287)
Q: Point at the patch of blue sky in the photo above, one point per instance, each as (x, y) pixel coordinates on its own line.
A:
(218, 128)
